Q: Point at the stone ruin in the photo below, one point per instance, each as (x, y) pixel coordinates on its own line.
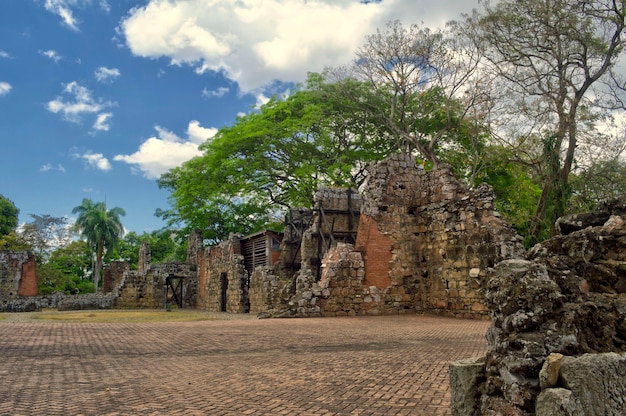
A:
(152, 285)
(558, 326)
(423, 242)
(414, 241)
(17, 274)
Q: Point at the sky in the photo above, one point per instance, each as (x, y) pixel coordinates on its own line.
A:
(98, 98)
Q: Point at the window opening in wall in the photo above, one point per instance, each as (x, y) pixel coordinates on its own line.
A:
(224, 291)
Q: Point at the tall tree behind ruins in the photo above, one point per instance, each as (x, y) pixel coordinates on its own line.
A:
(556, 79)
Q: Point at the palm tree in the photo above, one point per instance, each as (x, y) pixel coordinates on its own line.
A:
(101, 228)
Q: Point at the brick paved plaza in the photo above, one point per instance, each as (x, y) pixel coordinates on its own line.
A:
(392, 365)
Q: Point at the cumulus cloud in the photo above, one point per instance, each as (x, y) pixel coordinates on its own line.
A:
(105, 6)
(257, 42)
(220, 92)
(165, 151)
(101, 123)
(52, 54)
(49, 167)
(62, 8)
(104, 74)
(65, 10)
(5, 88)
(77, 102)
(96, 161)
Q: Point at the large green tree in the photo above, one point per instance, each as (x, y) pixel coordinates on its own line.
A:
(8, 215)
(164, 247)
(101, 227)
(553, 63)
(45, 234)
(422, 87)
(66, 270)
(273, 158)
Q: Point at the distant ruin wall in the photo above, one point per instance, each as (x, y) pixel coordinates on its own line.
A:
(269, 290)
(18, 274)
(113, 275)
(147, 289)
(226, 279)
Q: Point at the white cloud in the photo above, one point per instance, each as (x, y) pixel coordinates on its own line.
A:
(52, 54)
(80, 103)
(104, 74)
(256, 42)
(198, 134)
(261, 99)
(159, 154)
(220, 92)
(105, 6)
(5, 88)
(101, 123)
(48, 167)
(4, 54)
(96, 161)
(62, 8)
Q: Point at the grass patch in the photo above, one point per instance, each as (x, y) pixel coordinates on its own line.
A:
(101, 316)
(3, 316)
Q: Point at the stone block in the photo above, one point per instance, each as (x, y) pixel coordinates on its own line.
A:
(557, 402)
(598, 381)
(549, 374)
(465, 376)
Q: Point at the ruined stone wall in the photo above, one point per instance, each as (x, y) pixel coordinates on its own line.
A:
(18, 275)
(226, 279)
(425, 243)
(60, 301)
(269, 291)
(113, 275)
(567, 298)
(429, 240)
(342, 290)
(147, 289)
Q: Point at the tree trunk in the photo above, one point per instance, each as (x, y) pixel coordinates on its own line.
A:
(98, 269)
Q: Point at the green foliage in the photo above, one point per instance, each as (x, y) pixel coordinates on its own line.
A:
(164, 247)
(8, 216)
(66, 270)
(270, 159)
(598, 181)
(516, 193)
(13, 241)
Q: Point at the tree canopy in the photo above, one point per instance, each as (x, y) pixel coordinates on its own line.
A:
(516, 95)
(8, 215)
(552, 62)
(273, 158)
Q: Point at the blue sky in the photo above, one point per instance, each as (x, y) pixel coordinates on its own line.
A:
(98, 98)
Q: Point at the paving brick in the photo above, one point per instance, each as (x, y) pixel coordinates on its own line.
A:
(387, 365)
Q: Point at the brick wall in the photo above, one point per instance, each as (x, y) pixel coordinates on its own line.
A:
(18, 275)
(28, 281)
(376, 249)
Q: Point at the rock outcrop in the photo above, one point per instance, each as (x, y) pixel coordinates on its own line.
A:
(554, 318)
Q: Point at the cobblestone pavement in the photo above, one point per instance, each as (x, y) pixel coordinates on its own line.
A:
(392, 365)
